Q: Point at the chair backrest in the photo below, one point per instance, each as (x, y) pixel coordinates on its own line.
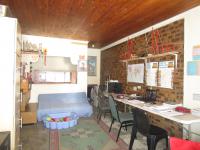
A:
(141, 121)
(102, 101)
(100, 92)
(113, 108)
(101, 87)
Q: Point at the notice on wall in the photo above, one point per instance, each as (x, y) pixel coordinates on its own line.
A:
(165, 74)
(151, 73)
(135, 73)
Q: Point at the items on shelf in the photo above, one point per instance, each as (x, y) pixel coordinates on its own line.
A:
(31, 47)
(129, 53)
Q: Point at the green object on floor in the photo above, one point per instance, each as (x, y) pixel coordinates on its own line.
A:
(87, 135)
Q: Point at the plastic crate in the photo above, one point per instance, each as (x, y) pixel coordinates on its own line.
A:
(61, 124)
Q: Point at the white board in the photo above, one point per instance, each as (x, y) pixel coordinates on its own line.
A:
(135, 73)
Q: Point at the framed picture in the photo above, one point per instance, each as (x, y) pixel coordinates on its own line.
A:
(92, 65)
(82, 66)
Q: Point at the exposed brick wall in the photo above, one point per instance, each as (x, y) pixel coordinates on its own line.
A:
(111, 65)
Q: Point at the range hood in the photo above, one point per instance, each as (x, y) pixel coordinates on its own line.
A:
(5, 11)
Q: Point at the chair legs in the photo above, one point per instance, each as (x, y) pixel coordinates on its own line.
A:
(99, 118)
(119, 132)
(98, 112)
(151, 142)
(167, 143)
(125, 127)
(133, 136)
(111, 124)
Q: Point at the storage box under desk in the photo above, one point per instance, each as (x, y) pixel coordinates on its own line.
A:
(30, 114)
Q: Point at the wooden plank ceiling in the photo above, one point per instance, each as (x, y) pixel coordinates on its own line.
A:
(100, 22)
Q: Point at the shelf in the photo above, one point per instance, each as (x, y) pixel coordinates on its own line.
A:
(153, 56)
(29, 52)
(131, 59)
(163, 54)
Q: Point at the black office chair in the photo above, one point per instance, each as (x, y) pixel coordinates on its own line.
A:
(103, 105)
(153, 133)
(125, 119)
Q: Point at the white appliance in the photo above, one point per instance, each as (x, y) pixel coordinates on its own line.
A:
(10, 46)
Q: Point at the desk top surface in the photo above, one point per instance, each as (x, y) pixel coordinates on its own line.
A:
(164, 110)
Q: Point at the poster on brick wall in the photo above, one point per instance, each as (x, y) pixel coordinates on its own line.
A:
(151, 73)
(165, 74)
(135, 73)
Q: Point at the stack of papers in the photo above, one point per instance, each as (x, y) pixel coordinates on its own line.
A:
(166, 109)
(163, 107)
(171, 113)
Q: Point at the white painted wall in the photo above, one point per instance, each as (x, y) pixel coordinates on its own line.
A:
(64, 48)
(191, 38)
(97, 53)
(191, 83)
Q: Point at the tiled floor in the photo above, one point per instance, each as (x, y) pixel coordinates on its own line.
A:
(35, 137)
(139, 143)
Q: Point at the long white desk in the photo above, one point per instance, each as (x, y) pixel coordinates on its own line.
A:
(168, 113)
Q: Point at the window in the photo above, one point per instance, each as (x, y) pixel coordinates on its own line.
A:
(53, 77)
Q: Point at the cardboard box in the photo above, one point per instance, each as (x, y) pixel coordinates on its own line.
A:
(30, 114)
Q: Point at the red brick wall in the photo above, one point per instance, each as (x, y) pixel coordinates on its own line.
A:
(111, 65)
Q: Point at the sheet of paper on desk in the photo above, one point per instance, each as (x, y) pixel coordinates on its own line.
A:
(163, 107)
(136, 101)
(171, 113)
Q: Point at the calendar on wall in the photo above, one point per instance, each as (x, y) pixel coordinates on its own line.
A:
(165, 74)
